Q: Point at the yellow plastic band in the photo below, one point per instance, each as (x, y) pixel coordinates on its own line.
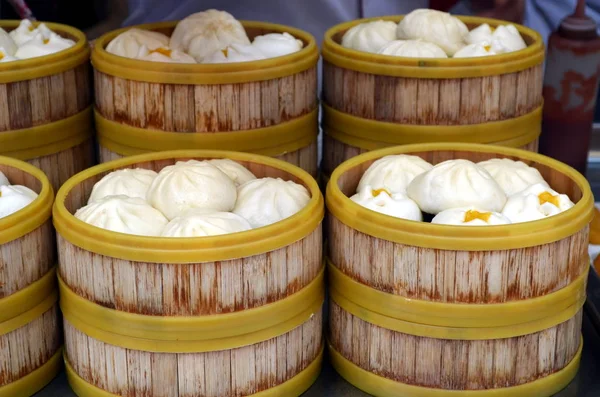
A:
(36, 213)
(293, 387)
(384, 387)
(460, 238)
(27, 298)
(432, 68)
(455, 320)
(229, 73)
(270, 141)
(47, 65)
(30, 315)
(45, 139)
(188, 250)
(34, 381)
(179, 334)
(372, 134)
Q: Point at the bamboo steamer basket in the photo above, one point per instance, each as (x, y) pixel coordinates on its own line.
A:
(30, 338)
(45, 108)
(432, 310)
(238, 314)
(275, 98)
(383, 101)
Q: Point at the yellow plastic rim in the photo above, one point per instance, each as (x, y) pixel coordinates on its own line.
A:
(229, 73)
(269, 141)
(372, 134)
(291, 388)
(35, 214)
(453, 320)
(188, 250)
(431, 68)
(28, 298)
(461, 238)
(34, 381)
(382, 387)
(47, 65)
(46, 139)
(189, 334)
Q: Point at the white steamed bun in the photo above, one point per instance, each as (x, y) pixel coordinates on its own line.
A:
(235, 53)
(512, 176)
(470, 216)
(369, 36)
(456, 184)
(396, 205)
(164, 54)
(268, 200)
(436, 27)
(277, 44)
(203, 33)
(503, 39)
(127, 182)
(26, 31)
(474, 50)
(412, 49)
(5, 56)
(129, 43)
(191, 184)
(536, 202)
(235, 171)
(393, 173)
(3, 179)
(14, 198)
(39, 45)
(200, 223)
(122, 214)
(7, 43)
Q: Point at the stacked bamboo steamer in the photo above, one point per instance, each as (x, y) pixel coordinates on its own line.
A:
(421, 309)
(374, 101)
(30, 333)
(45, 108)
(228, 315)
(266, 107)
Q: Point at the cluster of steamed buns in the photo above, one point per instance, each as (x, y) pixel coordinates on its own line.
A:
(432, 34)
(210, 36)
(190, 199)
(28, 41)
(458, 192)
(13, 197)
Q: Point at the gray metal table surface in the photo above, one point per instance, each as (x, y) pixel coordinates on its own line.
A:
(330, 384)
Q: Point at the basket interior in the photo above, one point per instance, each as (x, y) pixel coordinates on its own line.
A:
(78, 196)
(560, 182)
(19, 177)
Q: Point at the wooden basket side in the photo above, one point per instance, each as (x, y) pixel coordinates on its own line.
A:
(29, 347)
(237, 372)
(206, 108)
(454, 364)
(38, 101)
(433, 101)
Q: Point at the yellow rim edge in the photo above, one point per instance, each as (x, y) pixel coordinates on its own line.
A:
(189, 250)
(460, 315)
(48, 138)
(291, 388)
(383, 387)
(28, 69)
(27, 298)
(460, 238)
(450, 68)
(188, 334)
(35, 214)
(372, 134)
(30, 315)
(232, 73)
(35, 380)
(484, 332)
(269, 141)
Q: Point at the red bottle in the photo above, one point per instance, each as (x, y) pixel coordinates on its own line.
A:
(570, 89)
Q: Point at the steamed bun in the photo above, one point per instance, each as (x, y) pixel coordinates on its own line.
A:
(200, 223)
(369, 36)
(456, 184)
(393, 173)
(127, 182)
(396, 205)
(512, 176)
(470, 216)
(412, 49)
(129, 43)
(536, 202)
(235, 171)
(14, 198)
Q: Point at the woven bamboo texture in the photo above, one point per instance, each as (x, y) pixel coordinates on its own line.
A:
(191, 289)
(305, 158)
(455, 276)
